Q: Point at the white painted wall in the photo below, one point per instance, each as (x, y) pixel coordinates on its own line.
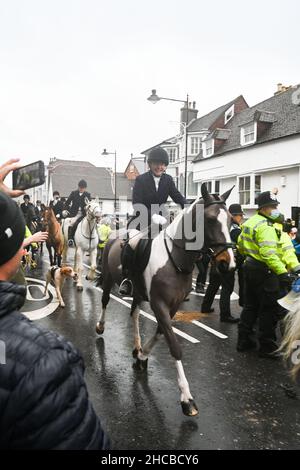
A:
(272, 161)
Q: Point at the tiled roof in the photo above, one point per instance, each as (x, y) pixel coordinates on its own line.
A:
(279, 114)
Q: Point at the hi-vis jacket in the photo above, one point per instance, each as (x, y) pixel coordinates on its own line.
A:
(286, 249)
(259, 240)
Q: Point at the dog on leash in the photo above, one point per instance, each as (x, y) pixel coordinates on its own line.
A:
(57, 277)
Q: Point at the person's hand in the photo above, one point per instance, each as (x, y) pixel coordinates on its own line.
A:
(5, 169)
(35, 238)
(65, 213)
(286, 279)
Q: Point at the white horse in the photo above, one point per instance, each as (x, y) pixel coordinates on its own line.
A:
(86, 241)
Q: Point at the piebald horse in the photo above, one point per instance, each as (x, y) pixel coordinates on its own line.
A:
(167, 280)
(86, 241)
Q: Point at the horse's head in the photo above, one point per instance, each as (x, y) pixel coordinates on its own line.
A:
(45, 217)
(93, 210)
(216, 229)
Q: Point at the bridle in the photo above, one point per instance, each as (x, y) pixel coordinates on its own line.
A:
(210, 250)
(225, 246)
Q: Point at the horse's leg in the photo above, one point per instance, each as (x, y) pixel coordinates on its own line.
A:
(78, 261)
(107, 285)
(135, 313)
(92, 271)
(50, 254)
(65, 238)
(162, 314)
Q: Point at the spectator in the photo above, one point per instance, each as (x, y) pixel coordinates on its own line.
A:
(44, 400)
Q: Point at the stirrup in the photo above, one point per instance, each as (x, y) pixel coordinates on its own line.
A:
(126, 288)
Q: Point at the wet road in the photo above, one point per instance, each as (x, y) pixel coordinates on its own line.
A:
(242, 400)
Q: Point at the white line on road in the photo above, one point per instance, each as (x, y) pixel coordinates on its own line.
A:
(211, 330)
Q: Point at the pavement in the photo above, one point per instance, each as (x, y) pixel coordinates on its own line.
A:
(245, 402)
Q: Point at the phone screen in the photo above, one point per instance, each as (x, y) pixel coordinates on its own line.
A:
(29, 176)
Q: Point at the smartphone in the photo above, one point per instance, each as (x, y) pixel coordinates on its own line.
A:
(29, 176)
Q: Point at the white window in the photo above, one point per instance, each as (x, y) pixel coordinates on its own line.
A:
(192, 187)
(244, 190)
(217, 187)
(195, 145)
(208, 148)
(172, 154)
(229, 114)
(257, 186)
(249, 133)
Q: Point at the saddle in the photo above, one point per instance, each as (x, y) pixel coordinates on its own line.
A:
(135, 261)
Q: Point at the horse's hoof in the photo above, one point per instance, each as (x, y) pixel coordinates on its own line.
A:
(135, 353)
(140, 365)
(189, 408)
(79, 288)
(100, 328)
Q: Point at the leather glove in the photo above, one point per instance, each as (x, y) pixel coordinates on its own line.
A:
(286, 280)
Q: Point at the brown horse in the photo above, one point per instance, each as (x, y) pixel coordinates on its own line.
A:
(55, 236)
(167, 278)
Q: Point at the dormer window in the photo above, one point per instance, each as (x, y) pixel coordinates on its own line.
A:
(249, 133)
(208, 148)
(229, 114)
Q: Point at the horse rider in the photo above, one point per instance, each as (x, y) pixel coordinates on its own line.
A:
(57, 205)
(151, 188)
(265, 274)
(28, 210)
(75, 207)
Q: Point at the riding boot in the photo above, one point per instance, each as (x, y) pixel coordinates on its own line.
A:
(70, 236)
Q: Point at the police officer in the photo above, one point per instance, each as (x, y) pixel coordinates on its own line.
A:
(265, 273)
(151, 190)
(75, 206)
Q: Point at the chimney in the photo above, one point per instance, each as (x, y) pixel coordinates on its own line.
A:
(188, 114)
(281, 89)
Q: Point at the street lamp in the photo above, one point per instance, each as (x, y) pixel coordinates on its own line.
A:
(154, 98)
(105, 153)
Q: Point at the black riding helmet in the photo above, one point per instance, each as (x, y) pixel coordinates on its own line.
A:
(158, 155)
(82, 184)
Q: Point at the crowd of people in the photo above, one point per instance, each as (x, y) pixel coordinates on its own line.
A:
(44, 401)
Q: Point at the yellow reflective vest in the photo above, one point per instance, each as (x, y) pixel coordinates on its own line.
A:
(103, 231)
(259, 240)
(29, 234)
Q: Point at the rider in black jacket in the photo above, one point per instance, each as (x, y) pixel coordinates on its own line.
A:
(151, 190)
(75, 206)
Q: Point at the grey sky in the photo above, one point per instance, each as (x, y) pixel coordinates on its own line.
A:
(75, 74)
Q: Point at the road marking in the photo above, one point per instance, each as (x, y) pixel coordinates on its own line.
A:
(152, 318)
(211, 330)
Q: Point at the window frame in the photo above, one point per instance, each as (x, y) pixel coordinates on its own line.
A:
(204, 146)
(243, 134)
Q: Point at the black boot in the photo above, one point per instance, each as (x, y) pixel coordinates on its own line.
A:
(245, 344)
(200, 288)
(228, 319)
(126, 287)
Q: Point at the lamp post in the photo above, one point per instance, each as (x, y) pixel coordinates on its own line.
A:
(154, 98)
(105, 153)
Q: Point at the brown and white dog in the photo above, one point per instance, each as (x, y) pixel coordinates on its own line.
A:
(57, 276)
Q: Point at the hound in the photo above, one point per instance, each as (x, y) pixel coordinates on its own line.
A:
(57, 276)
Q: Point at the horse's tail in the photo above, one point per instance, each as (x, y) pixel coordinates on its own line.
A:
(290, 346)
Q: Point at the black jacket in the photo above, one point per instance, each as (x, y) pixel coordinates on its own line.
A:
(44, 401)
(75, 201)
(144, 191)
(57, 208)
